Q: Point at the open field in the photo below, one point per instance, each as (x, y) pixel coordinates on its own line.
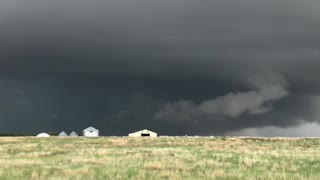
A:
(159, 158)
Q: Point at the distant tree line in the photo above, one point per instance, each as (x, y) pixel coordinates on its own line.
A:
(25, 134)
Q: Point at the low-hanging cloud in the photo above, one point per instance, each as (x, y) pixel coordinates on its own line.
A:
(257, 101)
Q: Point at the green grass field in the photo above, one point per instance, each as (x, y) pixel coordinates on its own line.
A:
(159, 158)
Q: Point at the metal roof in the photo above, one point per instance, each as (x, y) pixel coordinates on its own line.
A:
(91, 129)
(63, 134)
(144, 131)
(43, 135)
(74, 134)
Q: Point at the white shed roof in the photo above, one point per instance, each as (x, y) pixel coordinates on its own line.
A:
(91, 129)
(43, 135)
(145, 131)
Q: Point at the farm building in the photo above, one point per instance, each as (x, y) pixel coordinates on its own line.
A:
(91, 132)
(73, 134)
(143, 133)
(63, 134)
(43, 135)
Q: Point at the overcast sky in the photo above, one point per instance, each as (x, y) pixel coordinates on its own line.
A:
(209, 67)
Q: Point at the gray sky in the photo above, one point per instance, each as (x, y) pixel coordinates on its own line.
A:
(212, 67)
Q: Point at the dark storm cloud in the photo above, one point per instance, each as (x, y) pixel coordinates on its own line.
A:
(233, 104)
(197, 67)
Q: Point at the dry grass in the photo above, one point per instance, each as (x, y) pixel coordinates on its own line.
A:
(159, 158)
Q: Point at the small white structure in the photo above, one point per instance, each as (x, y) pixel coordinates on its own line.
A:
(73, 134)
(143, 133)
(43, 135)
(91, 132)
(63, 134)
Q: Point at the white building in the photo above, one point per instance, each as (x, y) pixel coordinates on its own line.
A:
(73, 134)
(91, 132)
(143, 133)
(43, 135)
(63, 134)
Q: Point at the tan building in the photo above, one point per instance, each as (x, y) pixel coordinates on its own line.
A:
(143, 133)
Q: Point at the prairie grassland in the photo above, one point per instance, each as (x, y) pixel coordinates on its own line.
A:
(159, 158)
